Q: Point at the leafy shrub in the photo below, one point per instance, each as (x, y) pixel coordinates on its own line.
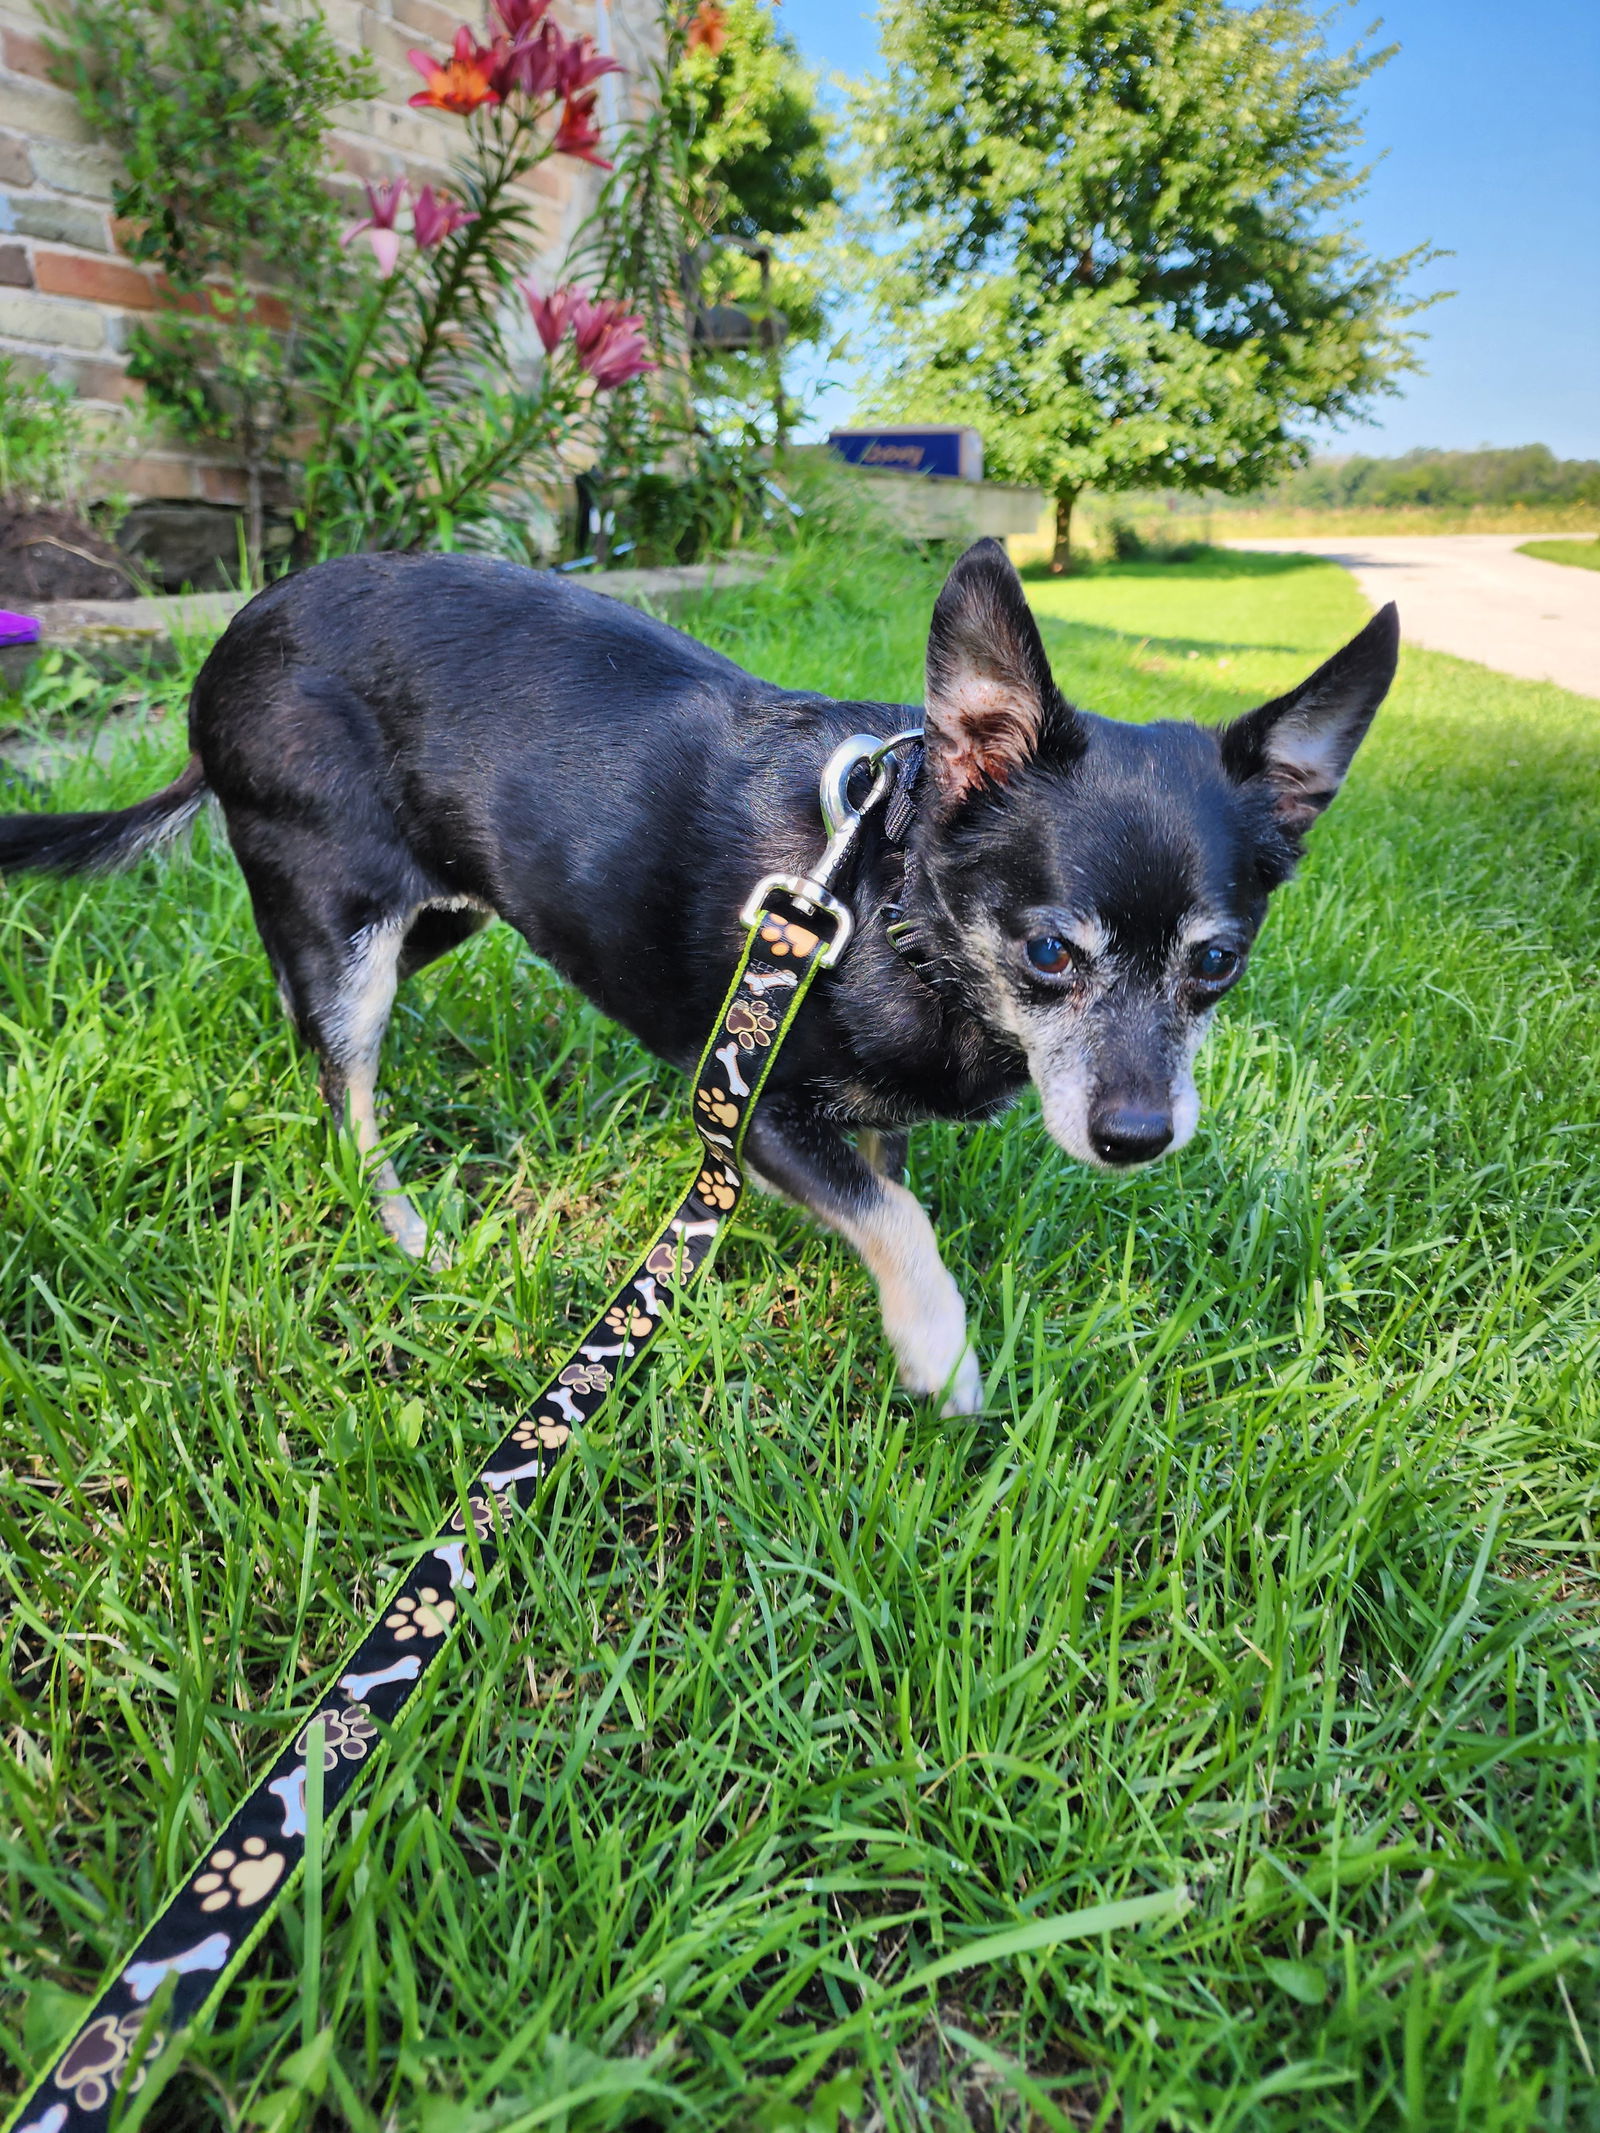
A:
(41, 440)
(1129, 543)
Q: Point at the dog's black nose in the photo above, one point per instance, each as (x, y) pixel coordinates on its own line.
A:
(1125, 1134)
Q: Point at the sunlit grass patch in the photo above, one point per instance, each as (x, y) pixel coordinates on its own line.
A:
(1270, 1577)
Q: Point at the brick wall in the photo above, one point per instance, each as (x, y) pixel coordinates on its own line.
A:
(67, 294)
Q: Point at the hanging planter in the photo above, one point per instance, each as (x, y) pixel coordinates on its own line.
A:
(730, 326)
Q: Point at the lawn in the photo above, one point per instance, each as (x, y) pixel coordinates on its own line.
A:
(795, 1717)
(1585, 555)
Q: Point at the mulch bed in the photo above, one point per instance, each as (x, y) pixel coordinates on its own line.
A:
(51, 555)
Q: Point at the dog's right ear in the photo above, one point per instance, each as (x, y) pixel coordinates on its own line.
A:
(992, 704)
(1301, 745)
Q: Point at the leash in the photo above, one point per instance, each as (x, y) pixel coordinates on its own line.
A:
(195, 1948)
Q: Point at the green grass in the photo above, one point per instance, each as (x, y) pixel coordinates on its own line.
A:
(795, 1721)
(1584, 554)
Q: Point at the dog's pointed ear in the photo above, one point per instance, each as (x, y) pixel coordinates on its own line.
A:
(1302, 744)
(991, 702)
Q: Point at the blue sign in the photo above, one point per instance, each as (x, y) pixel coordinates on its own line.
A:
(949, 454)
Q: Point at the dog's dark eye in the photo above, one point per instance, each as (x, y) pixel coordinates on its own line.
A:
(1213, 965)
(1049, 954)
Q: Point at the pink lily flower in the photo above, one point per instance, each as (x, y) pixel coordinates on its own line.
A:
(383, 201)
(434, 219)
(521, 17)
(623, 356)
(610, 341)
(532, 64)
(580, 65)
(551, 314)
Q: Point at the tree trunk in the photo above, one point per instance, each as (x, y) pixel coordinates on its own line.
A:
(1062, 558)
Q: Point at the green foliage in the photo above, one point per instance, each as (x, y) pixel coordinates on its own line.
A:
(1269, 1574)
(1525, 474)
(728, 138)
(740, 97)
(1116, 238)
(41, 439)
(432, 428)
(220, 115)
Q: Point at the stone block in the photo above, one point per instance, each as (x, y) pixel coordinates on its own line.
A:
(56, 220)
(25, 317)
(358, 156)
(24, 54)
(425, 18)
(33, 108)
(14, 270)
(16, 165)
(98, 281)
(84, 169)
(154, 475)
(222, 485)
(103, 381)
(389, 43)
(183, 544)
(409, 133)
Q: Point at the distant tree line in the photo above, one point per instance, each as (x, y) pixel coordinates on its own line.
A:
(1526, 474)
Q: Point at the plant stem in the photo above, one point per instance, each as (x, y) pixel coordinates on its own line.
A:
(442, 314)
(334, 406)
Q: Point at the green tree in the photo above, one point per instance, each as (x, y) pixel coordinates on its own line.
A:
(1121, 249)
(758, 170)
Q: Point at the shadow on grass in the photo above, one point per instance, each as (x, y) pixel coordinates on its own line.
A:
(1210, 564)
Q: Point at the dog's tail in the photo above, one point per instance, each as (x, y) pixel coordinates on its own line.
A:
(82, 844)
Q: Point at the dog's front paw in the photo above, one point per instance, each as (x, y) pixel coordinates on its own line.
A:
(965, 1396)
(927, 1328)
(410, 1232)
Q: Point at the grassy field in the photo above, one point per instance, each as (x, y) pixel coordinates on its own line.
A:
(1198, 521)
(1585, 554)
(797, 1726)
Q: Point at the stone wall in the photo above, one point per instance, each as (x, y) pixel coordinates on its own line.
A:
(67, 293)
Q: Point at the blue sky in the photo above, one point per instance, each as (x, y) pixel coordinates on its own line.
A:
(1485, 131)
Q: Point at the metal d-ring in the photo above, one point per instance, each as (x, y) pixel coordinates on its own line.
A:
(813, 891)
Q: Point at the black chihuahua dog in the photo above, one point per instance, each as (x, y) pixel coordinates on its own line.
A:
(406, 745)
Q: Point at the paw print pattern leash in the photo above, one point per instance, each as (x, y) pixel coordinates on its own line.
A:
(193, 1950)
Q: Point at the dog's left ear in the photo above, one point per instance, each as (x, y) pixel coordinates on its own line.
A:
(1303, 743)
(992, 704)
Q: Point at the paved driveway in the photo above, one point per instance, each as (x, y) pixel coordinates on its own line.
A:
(1472, 594)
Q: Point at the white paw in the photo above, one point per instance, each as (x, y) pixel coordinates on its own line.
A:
(928, 1332)
(410, 1232)
(965, 1396)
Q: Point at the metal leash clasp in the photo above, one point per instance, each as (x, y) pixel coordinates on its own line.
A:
(813, 892)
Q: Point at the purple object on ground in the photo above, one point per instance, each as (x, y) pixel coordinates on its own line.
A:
(19, 629)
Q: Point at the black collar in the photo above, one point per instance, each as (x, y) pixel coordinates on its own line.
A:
(899, 812)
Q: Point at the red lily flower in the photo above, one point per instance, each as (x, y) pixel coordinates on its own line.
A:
(463, 82)
(551, 314)
(435, 218)
(521, 17)
(580, 66)
(709, 28)
(383, 202)
(578, 135)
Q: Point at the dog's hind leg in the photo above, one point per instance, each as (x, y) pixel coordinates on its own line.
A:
(799, 1154)
(349, 1039)
(337, 980)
